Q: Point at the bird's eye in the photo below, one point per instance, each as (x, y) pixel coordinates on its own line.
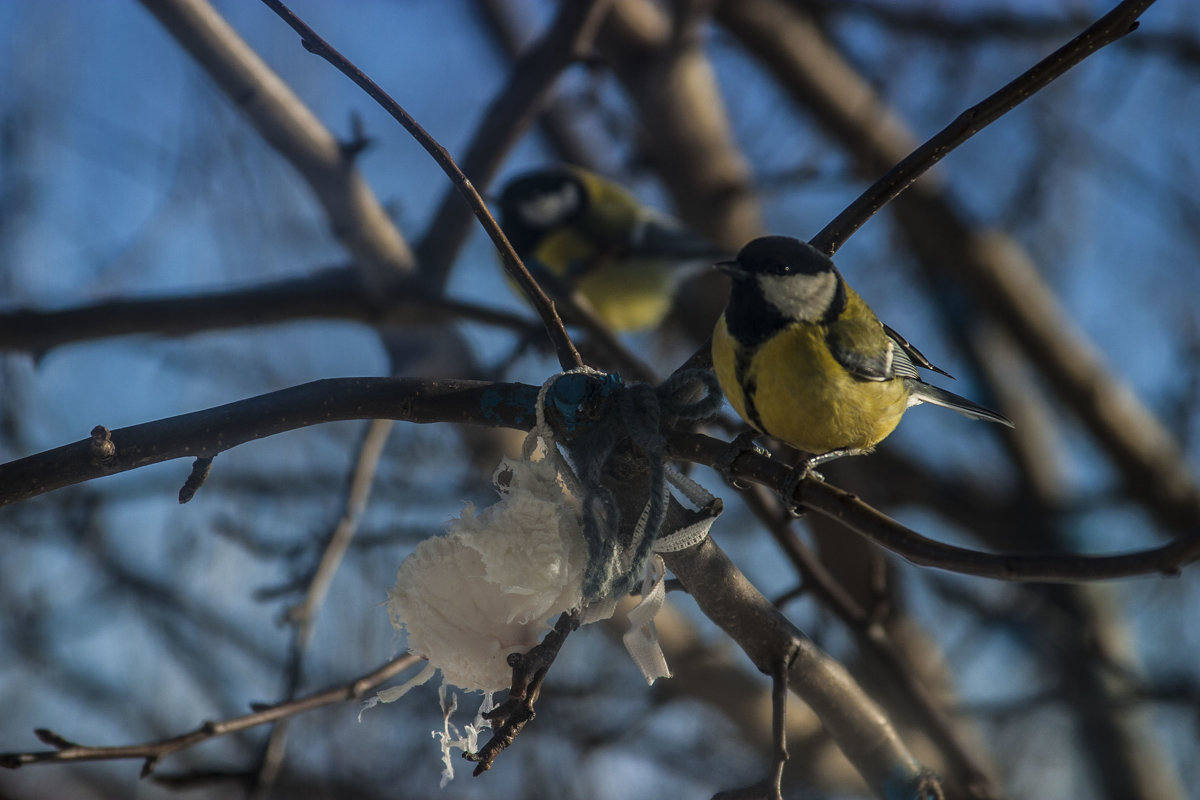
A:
(551, 207)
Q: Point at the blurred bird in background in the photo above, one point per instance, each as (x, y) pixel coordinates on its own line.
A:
(577, 231)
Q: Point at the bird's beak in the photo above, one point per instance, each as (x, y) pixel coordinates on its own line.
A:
(731, 268)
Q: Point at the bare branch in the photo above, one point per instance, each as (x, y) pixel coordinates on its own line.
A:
(209, 432)
(858, 726)
(1111, 27)
(568, 356)
(153, 752)
(866, 521)
(873, 639)
(529, 673)
(335, 293)
(511, 112)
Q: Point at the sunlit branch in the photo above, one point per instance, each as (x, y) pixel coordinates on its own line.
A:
(858, 726)
(874, 640)
(281, 118)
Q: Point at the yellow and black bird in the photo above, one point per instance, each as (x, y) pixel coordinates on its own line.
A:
(802, 358)
(583, 232)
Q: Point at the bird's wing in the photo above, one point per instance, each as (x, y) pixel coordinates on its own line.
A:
(865, 354)
(914, 355)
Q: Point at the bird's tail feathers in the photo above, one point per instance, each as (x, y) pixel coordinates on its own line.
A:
(926, 393)
(662, 237)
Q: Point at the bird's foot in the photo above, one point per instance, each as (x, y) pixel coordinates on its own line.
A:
(807, 469)
(742, 443)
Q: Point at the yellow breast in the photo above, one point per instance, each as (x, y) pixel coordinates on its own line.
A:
(629, 294)
(790, 387)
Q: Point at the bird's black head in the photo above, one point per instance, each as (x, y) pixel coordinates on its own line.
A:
(778, 280)
(779, 255)
(538, 201)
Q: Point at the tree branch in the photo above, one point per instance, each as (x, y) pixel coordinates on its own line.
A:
(1111, 27)
(511, 112)
(568, 356)
(354, 213)
(858, 726)
(866, 521)
(153, 752)
(335, 293)
(209, 432)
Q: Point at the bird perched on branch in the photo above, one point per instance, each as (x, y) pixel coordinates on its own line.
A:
(802, 358)
(578, 231)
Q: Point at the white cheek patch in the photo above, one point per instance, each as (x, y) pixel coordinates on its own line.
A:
(550, 208)
(800, 297)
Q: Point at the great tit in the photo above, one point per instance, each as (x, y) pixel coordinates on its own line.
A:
(586, 233)
(802, 358)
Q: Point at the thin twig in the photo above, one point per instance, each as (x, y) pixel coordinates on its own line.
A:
(779, 700)
(529, 672)
(568, 356)
(567, 40)
(304, 614)
(66, 750)
(1106, 30)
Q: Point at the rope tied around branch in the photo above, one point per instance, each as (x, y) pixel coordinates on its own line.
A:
(599, 413)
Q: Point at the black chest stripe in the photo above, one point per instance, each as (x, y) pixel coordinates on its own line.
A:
(749, 386)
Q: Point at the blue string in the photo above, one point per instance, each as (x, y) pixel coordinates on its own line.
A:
(599, 412)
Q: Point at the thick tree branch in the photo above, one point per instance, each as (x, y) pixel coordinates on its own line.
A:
(336, 293)
(859, 727)
(210, 432)
(918, 703)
